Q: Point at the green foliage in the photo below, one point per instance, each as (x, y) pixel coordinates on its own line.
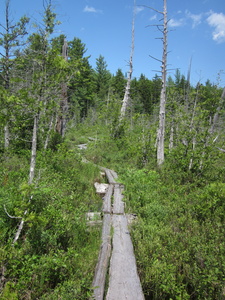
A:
(178, 238)
(102, 78)
(9, 292)
(118, 83)
(57, 249)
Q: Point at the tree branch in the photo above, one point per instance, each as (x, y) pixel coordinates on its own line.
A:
(222, 150)
(11, 217)
(156, 58)
(160, 12)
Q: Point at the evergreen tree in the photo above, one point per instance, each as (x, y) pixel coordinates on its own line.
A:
(118, 83)
(102, 78)
(11, 39)
(81, 85)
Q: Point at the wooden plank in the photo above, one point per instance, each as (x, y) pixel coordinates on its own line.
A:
(114, 174)
(118, 204)
(107, 200)
(110, 176)
(103, 259)
(124, 282)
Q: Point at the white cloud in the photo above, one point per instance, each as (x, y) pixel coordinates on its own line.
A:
(91, 9)
(153, 18)
(217, 20)
(176, 23)
(196, 19)
(138, 9)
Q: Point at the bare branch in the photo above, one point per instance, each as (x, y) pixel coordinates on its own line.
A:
(154, 25)
(11, 217)
(160, 12)
(222, 150)
(215, 139)
(155, 58)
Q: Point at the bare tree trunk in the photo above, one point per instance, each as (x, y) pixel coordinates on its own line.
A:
(6, 136)
(61, 122)
(171, 136)
(49, 131)
(33, 151)
(31, 174)
(126, 97)
(161, 128)
(212, 127)
(216, 115)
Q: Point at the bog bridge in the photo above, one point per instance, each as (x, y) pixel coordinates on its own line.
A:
(116, 253)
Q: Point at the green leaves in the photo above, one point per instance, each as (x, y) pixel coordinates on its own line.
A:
(56, 248)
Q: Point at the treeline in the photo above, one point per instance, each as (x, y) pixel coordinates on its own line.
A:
(38, 79)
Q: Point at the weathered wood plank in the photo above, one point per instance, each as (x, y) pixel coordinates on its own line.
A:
(110, 176)
(107, 200)
(114, 174)
(118, 204)
(103, 259)
(124, 282)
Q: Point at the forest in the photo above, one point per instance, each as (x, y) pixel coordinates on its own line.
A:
(51, 101)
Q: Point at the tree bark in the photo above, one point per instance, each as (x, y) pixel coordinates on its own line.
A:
(161, 128)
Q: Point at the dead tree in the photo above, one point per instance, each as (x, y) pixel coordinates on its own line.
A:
(126, 97)
(162, 114)
(163, 28)
(61, 122)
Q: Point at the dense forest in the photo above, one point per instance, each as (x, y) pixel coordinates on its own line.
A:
(53, 100)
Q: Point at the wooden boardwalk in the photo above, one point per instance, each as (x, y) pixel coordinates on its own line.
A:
(116, 253)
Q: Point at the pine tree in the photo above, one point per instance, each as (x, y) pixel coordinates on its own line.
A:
(11, 39)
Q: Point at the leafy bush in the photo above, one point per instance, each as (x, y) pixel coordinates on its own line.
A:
(178, 238)
(56, 248)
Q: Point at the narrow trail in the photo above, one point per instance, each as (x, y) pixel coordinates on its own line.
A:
(116, 256)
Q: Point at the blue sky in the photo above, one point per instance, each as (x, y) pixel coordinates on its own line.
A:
(197, 32)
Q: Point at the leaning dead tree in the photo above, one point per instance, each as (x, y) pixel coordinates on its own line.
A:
(126, 97)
